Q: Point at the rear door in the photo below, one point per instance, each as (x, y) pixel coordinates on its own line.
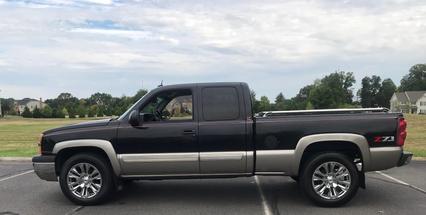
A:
(222, 130)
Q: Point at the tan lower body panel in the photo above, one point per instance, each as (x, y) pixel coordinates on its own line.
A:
(159, 163)
(234, 162)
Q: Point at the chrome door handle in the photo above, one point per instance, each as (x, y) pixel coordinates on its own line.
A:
(188, 132)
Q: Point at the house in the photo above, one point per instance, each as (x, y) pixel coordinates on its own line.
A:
(29, 103)
(409, 102)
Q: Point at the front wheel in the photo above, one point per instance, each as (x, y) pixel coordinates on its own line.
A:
(330, 179)
(86, 179)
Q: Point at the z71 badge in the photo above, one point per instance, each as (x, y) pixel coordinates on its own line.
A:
(384, 139)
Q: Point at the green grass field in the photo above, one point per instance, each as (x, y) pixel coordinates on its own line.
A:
(18, 136)
(416, 139)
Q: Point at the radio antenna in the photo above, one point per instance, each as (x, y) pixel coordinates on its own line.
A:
(161, 84)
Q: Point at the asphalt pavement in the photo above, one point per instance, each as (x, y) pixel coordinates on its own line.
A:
(395, 191)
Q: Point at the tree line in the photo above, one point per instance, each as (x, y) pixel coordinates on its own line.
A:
(332, 91)
(336, 91)
(67, 105)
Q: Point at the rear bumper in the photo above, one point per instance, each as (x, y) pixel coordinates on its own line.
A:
(382, 158)
(405, 158)
(44, 167)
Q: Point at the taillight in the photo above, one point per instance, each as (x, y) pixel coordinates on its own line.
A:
(402, 132)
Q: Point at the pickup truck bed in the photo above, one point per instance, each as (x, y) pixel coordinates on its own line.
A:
(353, 132)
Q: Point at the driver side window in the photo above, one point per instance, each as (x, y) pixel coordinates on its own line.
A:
(169, 106)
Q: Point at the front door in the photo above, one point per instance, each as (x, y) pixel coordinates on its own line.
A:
(166, 142)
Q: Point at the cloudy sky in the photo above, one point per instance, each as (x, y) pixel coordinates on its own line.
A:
(86, 46)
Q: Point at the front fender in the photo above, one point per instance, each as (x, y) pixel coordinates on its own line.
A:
(104, 145)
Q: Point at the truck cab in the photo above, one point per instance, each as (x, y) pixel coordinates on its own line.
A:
(196, 129)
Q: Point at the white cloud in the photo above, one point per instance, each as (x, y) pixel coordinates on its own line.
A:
(131, 34)
(104, 2)
(208, 39)
(3, 62)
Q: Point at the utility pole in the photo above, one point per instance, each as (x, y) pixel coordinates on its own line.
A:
(1, 115)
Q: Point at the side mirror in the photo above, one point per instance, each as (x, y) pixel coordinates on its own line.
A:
(135, 118)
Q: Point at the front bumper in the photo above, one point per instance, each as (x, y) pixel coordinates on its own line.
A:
(405, 158)
(44, 167)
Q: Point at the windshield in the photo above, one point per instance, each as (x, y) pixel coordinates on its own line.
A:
(131, 108)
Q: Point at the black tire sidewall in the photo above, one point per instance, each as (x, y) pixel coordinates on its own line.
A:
(106, 175)
(313, 163)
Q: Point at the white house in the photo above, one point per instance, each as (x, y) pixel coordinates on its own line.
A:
(30, 103)
(409, 102)
(421, 105)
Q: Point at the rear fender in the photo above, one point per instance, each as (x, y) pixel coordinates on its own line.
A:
(304, 142)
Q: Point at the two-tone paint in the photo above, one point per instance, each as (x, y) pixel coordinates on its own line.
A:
(242, 146)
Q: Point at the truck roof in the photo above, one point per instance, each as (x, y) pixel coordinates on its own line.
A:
(204, 84)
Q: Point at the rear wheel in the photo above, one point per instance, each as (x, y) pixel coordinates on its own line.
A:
(86, 179)
(330, 179)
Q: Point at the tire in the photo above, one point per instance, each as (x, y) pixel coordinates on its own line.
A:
(334, 190)
(90, 172)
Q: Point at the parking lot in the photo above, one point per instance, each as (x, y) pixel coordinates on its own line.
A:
(395, 191)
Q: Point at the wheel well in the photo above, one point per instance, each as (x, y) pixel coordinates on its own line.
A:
(66, 153)
(348, 148)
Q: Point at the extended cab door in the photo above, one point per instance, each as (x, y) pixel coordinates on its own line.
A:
(166, 141)
(222, 130)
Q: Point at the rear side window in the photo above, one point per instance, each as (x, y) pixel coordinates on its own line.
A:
(220, 103)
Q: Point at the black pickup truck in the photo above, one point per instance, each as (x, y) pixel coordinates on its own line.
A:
(209, 130)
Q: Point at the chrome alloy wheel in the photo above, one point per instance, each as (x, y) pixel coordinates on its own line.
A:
(331, 180)
(84, 180)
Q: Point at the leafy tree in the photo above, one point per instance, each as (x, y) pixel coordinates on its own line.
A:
(300, 101)
(47, 112)
(374, 93)
(321, 97)
(64, 100)
(279, 102)
(365, 92)
(255, 102)
(369, 91)
(104, 102)
(332, 91)
(264, 104)
(386, 91)
(57, 113)
(139, 95)
(37, 113)
(81, 111)
(309, 106)
(93, 111)
(121, 105)
(7, 106)
(65, 112)
(27, 113)
(415, 80)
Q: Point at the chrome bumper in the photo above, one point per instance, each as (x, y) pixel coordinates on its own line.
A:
(44, 167)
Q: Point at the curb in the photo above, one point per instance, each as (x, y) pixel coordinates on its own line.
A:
(419, 158)
(18, 159)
